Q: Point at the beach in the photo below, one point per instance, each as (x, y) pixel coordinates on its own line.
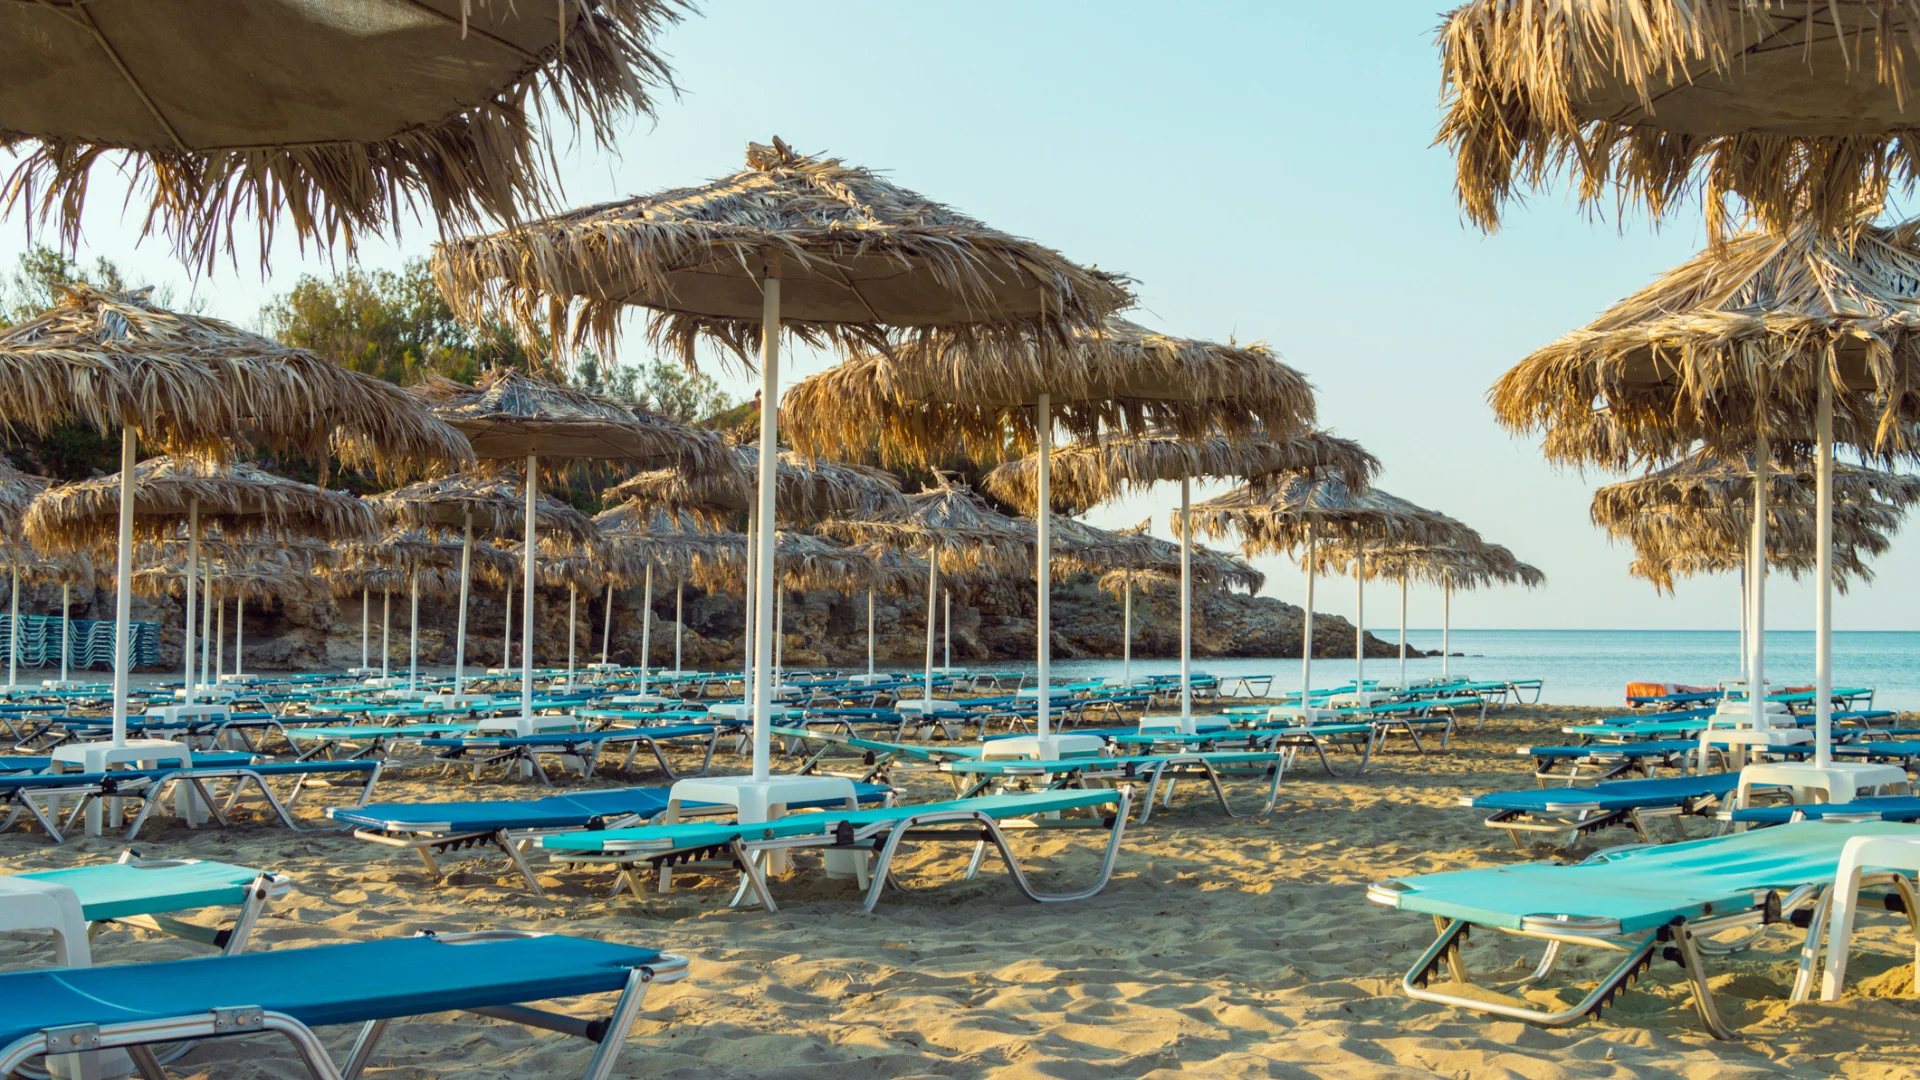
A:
(1221, 947)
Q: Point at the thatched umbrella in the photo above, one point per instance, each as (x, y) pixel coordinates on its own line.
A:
(806, 491)
(489, 501)
(414, 556)
(861, 255)
(1181, 565)
(116, 362)
(247, 569)
(955, 531)
(29, 564)
(1734, 349)
(1095, 471)
(344, 118)
(510, 415)
(235, 498)
(584, 569)
(676, 542)
(1800, 108)
(924, 400)
(17, 492)
(801, 561)
(1302, 511)
(1449, 566)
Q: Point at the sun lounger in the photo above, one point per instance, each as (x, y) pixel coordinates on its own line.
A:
(290, 992)
(1606, 761)
(871, 837)
(1863, 808)
(1320, 738)
(876, 758)
(1643, 903)
(41, 796)
(365, 740)
(140, 892)
(442, 828)
(1159, 772)
(1581, 811)
(582, 747)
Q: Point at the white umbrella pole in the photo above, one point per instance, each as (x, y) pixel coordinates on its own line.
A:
(1359, 616)
(123, 591)
(528, 556)
(779, 630)
(239, 630)
(933, 584)
(1306, 622)
(679, 587)
(1446, 622)
(1403, 631)
(946, 629)
(1126, 634)
(366, 639)
(748, 602)
(13, 633)
(413, 634)
(206, 621)
(460, 620)
(1743, 620)
(1043, 564)
(1186, 604)
(869, 630)
(219, 637)
(763, 559)
(66, 617)
(1757, 644)
(506, 633)
(386, 629)
(606, 629)
(1823, 595)
(573, 629)
(193, 566)
(646, 627)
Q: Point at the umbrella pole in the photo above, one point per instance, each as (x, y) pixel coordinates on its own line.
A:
(1446, 621)
(66, 617)
(1126, 634)
(1823, 585)
(13, 633)
(946, 628)
(606, 629)
(1359, 616)
(749, 604)
(526, 573)
(123, 590)
(1403, 631)
(460, 620)
(1306, 622)
(869, 631)
(206, 622)
(1043, 565)
(1743, 623)
(779, 631)
(1757, 644)
(763, 559)
(679, 587)
(193, 563)
(573, 630)
(506, 633)
(646, 628)
(413, 635)
(1186, 604)
(386, 628)
(239, 629)
(933, 581)
(219, 638)
(366, 604)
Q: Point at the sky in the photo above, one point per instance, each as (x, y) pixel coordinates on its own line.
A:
(1265, 171)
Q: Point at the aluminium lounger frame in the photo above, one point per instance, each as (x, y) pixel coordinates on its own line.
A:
(428, 839)
(1159, 771)
(881, 839)
(1682, 941)
(138, 1037)
(43, 803)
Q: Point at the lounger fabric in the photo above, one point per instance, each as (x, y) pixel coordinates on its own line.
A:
(1889, 807)
(117, 890)
(576, 810)
(1646, 887)
(330, 984)
(1614, 794)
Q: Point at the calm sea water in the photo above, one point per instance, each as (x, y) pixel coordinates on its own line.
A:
(1590, 667)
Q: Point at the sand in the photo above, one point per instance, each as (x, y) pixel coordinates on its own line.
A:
(1221, 948)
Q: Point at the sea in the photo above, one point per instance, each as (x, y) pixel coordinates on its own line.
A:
(1582, 667)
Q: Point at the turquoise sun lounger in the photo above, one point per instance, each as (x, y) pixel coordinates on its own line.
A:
(1158, 772)
(873, 836)
(1635, 902)
(442, 828)
(289, 992)
(144, 893)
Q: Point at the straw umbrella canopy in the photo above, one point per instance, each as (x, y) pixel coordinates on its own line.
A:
(1736, 349)
(66, 570)
(416, 560)
(1183, 566)
(1301, 511)
(17, 492)
(345, 117)
(1799, 108)
(830, 251)
(510, 415)
(955, 531)
(806, 491)
(678, 542)
(491, 502)
(262, 579)
(582, 570)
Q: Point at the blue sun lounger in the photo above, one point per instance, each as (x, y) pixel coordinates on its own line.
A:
(289, 992)
(1864, 808)
(476, 753)
(1642, 902)
(41, 795)
(873, 837)
(1581, 811)
(1159, 772)
(442, 828)
(138, 892)
(1606, 761)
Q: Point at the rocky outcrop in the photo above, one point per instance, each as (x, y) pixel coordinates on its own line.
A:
(992, 622)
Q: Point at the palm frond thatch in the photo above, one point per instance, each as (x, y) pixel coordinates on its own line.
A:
(1087, 474)
(336, 119)
(803, 562)
(171, 547)
(949, 524)
(1800, 108)
(805, 491)
(192, 384)
(497, 505)
(235, 499)
(1706, 482)
(261, 578)
(1677, 544)
(17, 492)
(855, 254)
(1683, 360)
(1211, 569)
(38, 568)
(1288, 515)
(1448, 566)
(407, 550)
(675, 543)
(510, 415)
(922, 404)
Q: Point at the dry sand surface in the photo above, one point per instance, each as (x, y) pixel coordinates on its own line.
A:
(1221, 948)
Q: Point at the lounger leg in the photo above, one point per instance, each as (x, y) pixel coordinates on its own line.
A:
(1810, 947)
(1548, 961)
(1702, 994)
(146, 1063)
(433, 868)
(660, 756)
(256, 902)
(748, 861)
(613, 1036)
(363, 1048)
(506, 843)
(33, 807)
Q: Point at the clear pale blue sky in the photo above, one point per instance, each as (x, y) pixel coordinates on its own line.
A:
(1263, 169)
